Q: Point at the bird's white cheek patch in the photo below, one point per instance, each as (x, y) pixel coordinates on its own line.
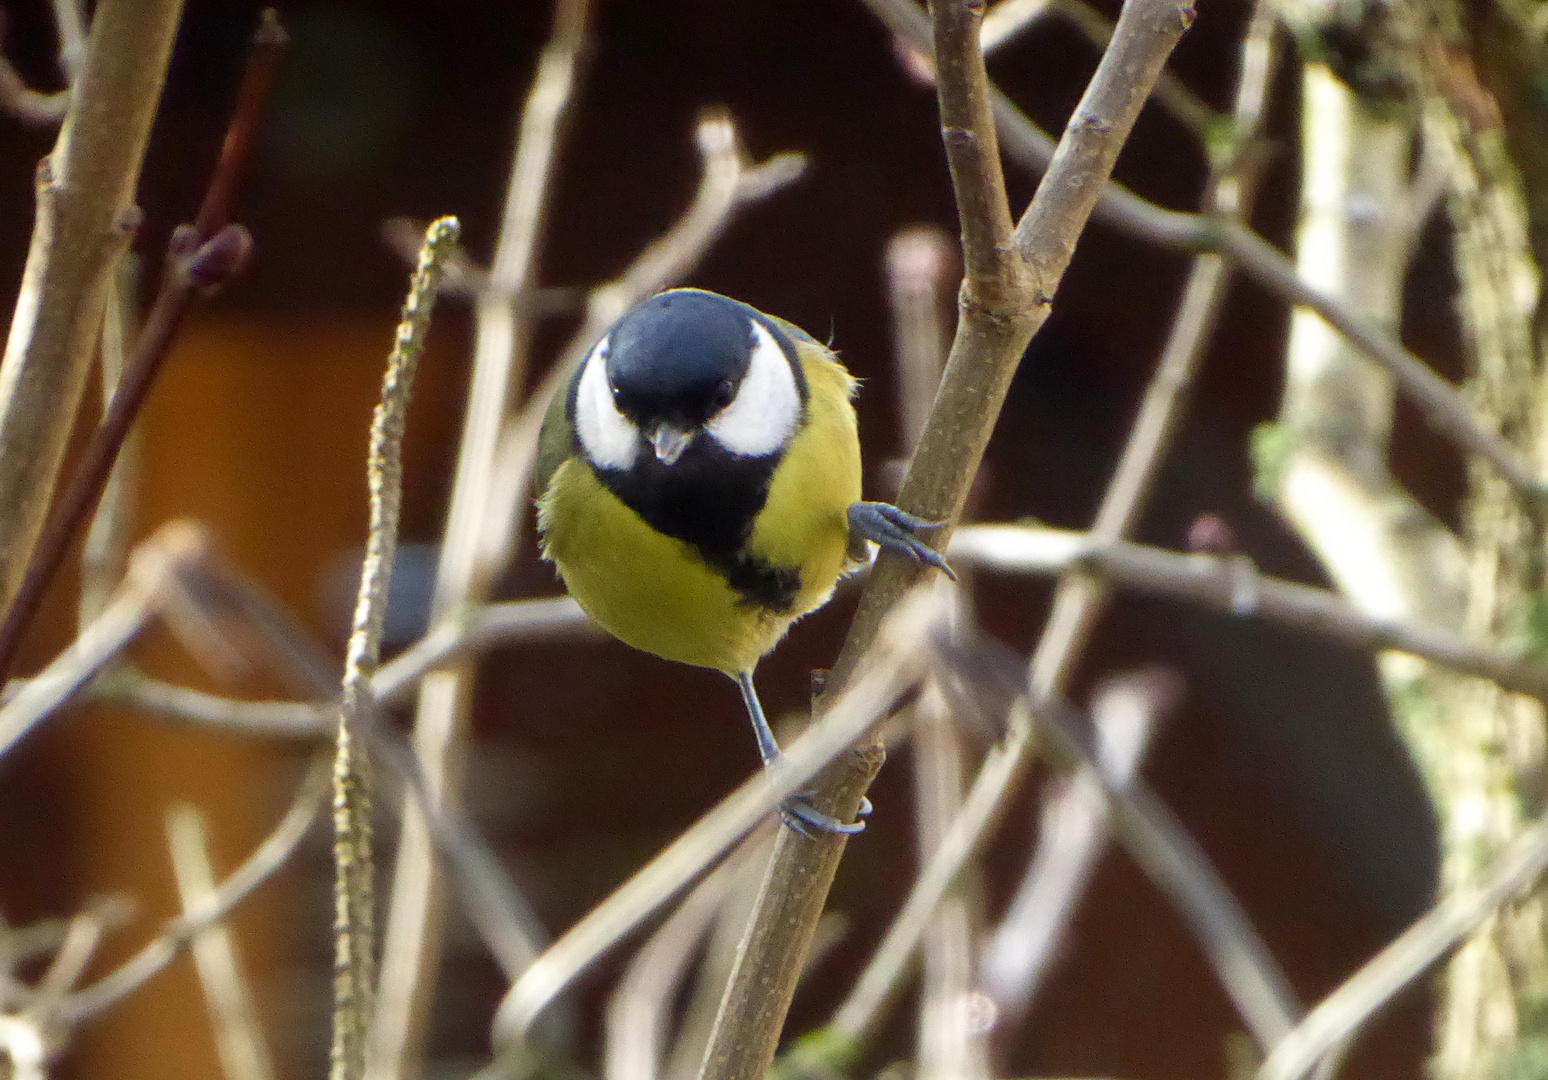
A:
(767, 407)
(608, 437)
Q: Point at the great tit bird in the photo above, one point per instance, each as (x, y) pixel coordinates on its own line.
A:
(699, 490)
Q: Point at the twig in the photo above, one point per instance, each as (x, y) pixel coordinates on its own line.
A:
(25, 1046)
(1171, 93)
(238, 1035)
(502, 337)
(465, 279)
(698, 1021)
(512, 622)
(200, 257)
(80, 942)
(110, 534)
(37, 107)
(1441, 405)
(284, 719)
(96, 646)
(179, 932)
(641, 1005)
(85, 218)
(70, 23)
(1009, 19)
(515, 622)
(887, 673)
(1428, 940)
(950, 1047)
(1160, 845)
(1005, 297)
(1234, 586)
(1072, 835)
(354, 883)
(919, 278)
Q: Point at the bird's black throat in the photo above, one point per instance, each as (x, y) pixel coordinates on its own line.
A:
(709, 498)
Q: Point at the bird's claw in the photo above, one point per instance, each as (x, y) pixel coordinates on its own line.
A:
(897, 530)
(798, 812)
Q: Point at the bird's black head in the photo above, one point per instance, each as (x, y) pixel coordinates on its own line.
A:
(678, 358)
(685, 376)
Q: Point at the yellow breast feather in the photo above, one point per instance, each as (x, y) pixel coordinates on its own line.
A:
(658, 594)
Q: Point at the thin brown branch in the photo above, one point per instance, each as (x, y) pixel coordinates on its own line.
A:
(85, 218)
(99, 644)
(502, 339)
(994, 328)
(513, 622)
(465, 279)
(994, 273)
(1445, 926)
(1171, 93)
(238, 1035)
(1010, 19)
(1234, 586)
(201, 257)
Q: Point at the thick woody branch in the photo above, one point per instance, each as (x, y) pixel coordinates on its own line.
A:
(984, 355)
(85, 218)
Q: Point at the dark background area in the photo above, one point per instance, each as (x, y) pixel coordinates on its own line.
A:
(1280, 759)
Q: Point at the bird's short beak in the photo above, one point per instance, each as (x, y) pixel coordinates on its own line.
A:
(670, 442)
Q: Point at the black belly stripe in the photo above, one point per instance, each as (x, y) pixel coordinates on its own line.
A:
(710, 499)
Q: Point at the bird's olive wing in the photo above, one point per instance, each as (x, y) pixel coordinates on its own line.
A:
(556, 443)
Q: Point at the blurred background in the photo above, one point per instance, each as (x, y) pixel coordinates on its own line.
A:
(590, 757)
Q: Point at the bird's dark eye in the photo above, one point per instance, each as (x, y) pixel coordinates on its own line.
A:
(725, 393)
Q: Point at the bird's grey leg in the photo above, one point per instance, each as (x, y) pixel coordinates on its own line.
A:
(797, 811)
(896, 530)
